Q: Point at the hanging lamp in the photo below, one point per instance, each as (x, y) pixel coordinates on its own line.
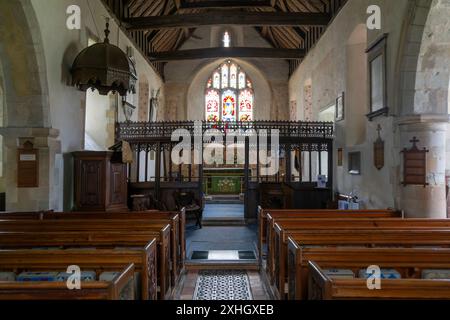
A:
(104, 67)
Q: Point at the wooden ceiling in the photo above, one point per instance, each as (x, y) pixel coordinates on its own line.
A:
(157, 29)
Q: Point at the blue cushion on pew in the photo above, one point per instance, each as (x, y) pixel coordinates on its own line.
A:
(37, 276)
(436, 274)
(385, 274)
(339, 273)
(85, 276)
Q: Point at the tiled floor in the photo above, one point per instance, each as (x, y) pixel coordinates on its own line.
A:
(187, 289)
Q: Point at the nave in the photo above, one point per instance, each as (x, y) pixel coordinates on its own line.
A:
(178, 150)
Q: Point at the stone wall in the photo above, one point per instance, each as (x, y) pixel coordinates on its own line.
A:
(338, 64)
(37, 51)
(417, 96)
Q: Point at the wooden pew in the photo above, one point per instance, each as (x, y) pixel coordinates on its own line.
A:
(272, 217)
(98, 239)
(322, 287)
(101, 225)
(177, 219)
(96, 290)
(352, 237)
(410, 262)
(287, 226)
(144, 260)
(265, 215)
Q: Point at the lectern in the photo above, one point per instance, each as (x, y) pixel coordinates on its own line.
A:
(100, 181)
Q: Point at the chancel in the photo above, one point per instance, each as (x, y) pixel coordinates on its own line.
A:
(224, 150)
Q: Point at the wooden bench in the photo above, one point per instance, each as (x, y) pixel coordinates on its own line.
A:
(352, 237)
(103, 225)
(144, 260)
(177, 219)
(101, 240)
(272, 218)
(322, 287)
(116, 289)
(267, 217)
(287, 226)
(409, 262)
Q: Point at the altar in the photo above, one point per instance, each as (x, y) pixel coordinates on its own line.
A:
(223, 181)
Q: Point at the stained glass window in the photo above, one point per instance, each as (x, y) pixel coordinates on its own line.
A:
(245, 105)
(226, 39)
(225, 73)
(212, 106)
(229, 106)
(241, 80)
(229, 95)
(233, 76)
(216, 80)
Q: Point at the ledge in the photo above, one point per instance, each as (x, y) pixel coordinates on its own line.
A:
(29, 132)
(378, 113)
(422, 118)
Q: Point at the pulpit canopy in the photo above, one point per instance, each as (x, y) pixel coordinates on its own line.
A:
(104, 67)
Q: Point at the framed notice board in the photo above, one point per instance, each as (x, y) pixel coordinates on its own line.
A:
(28, 166)
(414, 165)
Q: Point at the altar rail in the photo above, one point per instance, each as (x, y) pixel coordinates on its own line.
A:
(145, 131)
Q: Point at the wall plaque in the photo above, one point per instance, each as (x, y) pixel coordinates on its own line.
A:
(28, 166)
(414, 165)
(378, 151)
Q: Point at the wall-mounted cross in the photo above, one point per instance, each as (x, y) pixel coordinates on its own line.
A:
(379, 129)
(414, 142)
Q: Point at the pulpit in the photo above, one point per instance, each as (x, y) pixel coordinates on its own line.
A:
(100, 181)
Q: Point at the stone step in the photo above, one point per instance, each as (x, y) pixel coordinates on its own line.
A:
(223, 222)
(221, 265)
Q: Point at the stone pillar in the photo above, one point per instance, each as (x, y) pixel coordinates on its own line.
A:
(49, 194)
(429, 201)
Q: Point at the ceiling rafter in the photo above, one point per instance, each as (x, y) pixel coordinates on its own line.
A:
(170, 39)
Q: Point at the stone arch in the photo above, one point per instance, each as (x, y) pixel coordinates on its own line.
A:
(195, 94)
(421, 105)
(26, 111)
(24, 65)
(412, 35)
(433, 67)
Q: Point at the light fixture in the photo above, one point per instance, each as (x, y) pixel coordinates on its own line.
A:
(104, 67)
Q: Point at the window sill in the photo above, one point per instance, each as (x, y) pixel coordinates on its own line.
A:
(378, 113)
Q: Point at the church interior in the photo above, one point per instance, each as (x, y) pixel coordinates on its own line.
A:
(224, 150)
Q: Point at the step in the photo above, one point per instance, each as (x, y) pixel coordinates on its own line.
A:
(223, 259)
(223, 222)
(221, 265)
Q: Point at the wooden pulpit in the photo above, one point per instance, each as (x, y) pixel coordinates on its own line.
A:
(100, 181)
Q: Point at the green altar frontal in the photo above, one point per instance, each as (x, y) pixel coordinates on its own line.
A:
(223, 181)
